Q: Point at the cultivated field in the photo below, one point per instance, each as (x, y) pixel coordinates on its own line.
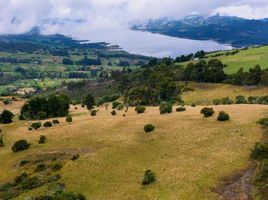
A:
(189, 154)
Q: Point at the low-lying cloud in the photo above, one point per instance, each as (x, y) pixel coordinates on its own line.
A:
(18, 16)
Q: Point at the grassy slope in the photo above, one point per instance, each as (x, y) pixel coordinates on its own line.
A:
(205, 92)
(246, 59)
(188, 153)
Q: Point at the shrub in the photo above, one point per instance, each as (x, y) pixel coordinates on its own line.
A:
(181, 109)
(56, 166)
(207, 112)
(263, 122)
(148, 178)
(41, 115)
(7, 101)
(42, 139)
(55, 122)
(165, 108)
(223, 116)
(40, 167)
(227, 101)
(193, 105)
(47, 124)
(36, 125)
(120, 106)
(115, 104)
(217, 102)
(6, 117)
(75, 157)
(253, 100)
(69, 119)
(1, 140)
(20, 146)
(140, 109)
(89, 102)
(148, 128)
(260, 151)
(240, 100)
(24, 162)
(30, 128)
(93, 112)
(113, 113)
(21, 117)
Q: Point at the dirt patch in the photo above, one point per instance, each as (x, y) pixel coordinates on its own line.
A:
(237, 186)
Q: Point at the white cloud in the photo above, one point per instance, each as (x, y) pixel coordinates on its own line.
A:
(17, 16)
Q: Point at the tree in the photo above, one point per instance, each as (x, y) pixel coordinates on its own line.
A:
(148, 178)
(89, 102)
(207, 112)
(6, 117)
(20, 146)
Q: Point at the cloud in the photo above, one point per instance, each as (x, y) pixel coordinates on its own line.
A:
(17, 16)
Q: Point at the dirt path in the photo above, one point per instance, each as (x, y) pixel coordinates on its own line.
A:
(237, 187)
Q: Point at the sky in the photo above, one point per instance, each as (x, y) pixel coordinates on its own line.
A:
(18, 16)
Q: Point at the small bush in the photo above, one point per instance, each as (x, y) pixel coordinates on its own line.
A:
(30, 129)
(115, 104)
(6, 117)
(260, 151)
(21, 117)
(42, 115)
(193, 105)
(47, 124)
(223, 116)
(140, 109)
(93, 112)
(113, 113)
(263, 122)
(181, 109)
(40, 167)
(75, 157)
(207, 112)
(1, 140)
(148, 178)
(217, 102)
(165, 108)
(240, 100)
(69, 119)
(148, 128)
(227, 101)
(55, 122)
(42, 139)
(120, 107)
(20, 146)
(7, 101)
(36, 125)
(56, 166)
(24, 162)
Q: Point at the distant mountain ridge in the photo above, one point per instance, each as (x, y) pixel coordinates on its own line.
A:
(236, 31)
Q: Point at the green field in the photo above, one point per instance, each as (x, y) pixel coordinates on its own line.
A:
(245, 58)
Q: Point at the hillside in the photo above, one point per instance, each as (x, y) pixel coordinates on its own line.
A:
(236, 31)
(246, 58)
(189, 154)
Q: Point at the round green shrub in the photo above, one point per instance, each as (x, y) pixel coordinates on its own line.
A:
(241, 100)
(148, 177)
(69, 119)
(6, 117)
(20, 145)
(47, 124)
(181, 109)
(113, 113)
(120, 107)
(115, 104)
(55, 122)
(140, 109)
(42, 139)
(165, 108)
(193, 105)
(36, 125)
(207, 112)
(260, 151)
(223, 116)
(93, 112)
(149, 128)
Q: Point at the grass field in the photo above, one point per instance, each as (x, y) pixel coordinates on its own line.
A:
(188, 153)
(245, 58)
(205, 93)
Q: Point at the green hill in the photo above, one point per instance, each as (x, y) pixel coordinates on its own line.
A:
(246, 58)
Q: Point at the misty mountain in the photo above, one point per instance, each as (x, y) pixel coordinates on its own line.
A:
(236, 31)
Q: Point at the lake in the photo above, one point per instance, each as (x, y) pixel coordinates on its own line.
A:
(145, 43)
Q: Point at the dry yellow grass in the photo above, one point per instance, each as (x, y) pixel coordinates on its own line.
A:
(188, 153)
(205, 92)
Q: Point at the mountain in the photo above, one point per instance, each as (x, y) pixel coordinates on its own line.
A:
(236, 31)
